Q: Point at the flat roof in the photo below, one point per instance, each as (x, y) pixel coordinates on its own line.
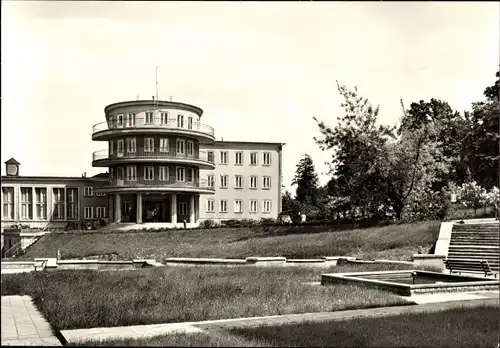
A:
(152, 102)
(53, 178)
(218, 142)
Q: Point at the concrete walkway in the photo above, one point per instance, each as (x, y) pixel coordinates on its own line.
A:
(139, 331)
(22, 324)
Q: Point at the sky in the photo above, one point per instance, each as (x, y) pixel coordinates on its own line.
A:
(259, 70)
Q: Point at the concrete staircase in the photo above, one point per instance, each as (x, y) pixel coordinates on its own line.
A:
(475, 242)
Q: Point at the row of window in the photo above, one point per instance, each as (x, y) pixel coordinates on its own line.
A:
(238, 158)
(238, 181)
(90, 212)
(129, 173)
(37, 208)
(130, 146)
(153, 117)
(238, 206)
(88, 191)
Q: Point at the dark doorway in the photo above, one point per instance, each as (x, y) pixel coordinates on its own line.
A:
(128, 212)
(152, 211)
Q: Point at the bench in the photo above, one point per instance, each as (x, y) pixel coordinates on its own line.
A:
(487, 269)
(475, 266)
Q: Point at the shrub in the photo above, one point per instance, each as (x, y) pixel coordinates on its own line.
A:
(208, 224)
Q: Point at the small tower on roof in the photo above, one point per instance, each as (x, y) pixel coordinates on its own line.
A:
(12, 167)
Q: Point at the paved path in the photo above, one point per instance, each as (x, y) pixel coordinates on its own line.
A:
(138, 331)
(22, 324)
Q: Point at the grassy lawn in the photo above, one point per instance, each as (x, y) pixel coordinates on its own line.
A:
(461, 327)
(395, 242)
(86, 299)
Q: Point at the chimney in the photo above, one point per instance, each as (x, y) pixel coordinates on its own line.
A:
(171, 98)
(153, 97)
(84, 174)
(137, 97)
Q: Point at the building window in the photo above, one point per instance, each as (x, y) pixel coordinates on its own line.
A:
(88, 213)
(149, 144)
(223, 181)
(180, 146)
(238, 158)
(120, 173)
(149, 173)
(149, 117)
(223, 157)
(266, 206)
(211, 180)
(72, 203)
(253, 159)
(164, 118)
(180, 121)
(210, 205)
(100, 212)
(182, 208)
(253, 182)
(253, 206)
(119, 147)
(223, 206)
(41, 203)
(210, 156)
(266, 182)
(131, 144)
(238, 206)
(119, 119)
(190, 175)
(88, 191)
(181, 174)
(164, 145)
(163, 173)
(8, 202)
(26, 203)
(100, 194)
(267, 159)
(238, 181)
(111, 147)
(131, 173)
(190, 148)
(190, 122)
(131, 120)
(58, 212)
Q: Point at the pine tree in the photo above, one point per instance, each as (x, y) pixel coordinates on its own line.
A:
(306, 180)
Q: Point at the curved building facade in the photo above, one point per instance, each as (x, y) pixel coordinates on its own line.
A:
(154, 155)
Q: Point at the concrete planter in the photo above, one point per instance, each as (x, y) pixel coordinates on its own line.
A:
(429, 260)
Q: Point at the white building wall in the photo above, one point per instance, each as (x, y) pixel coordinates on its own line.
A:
(245, 194)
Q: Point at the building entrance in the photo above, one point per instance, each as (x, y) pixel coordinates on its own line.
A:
(156, 209)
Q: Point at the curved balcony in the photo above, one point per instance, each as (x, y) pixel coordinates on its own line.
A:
(156, 185)
(139, 125)
(103, 158)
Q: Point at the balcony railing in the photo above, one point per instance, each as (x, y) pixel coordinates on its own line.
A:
(155, 153)
(156, 122)
(170, 182)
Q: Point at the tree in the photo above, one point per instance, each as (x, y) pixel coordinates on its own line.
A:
(356, 141)
(472, 195)
(306, 180)
(287, 202)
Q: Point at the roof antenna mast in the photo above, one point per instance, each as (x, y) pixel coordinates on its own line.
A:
(156, 98)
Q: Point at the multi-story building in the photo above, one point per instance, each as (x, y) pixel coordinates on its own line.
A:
(154, 159)
(37, 200)
(164, 166)
(247, 181)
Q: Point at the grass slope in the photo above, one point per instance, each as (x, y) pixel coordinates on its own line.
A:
(87, 299)
(395, 242)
